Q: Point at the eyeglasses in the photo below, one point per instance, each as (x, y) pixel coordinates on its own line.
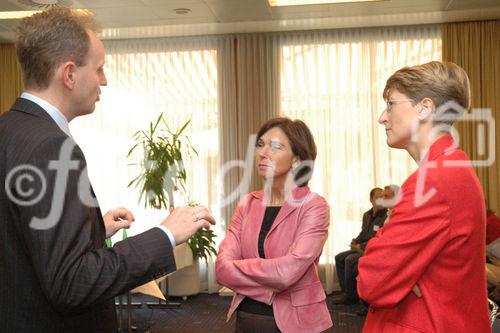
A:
(389, 103)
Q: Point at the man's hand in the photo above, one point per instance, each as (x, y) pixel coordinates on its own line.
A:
(494, 260)
(117, 219)
(355, 246)
(183, 222)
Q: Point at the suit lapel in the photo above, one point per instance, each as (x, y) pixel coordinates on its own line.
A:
(255, 217)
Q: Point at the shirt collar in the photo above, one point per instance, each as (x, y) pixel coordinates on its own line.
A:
(53, 112)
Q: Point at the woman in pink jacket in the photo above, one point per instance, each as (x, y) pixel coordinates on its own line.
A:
(270, 255)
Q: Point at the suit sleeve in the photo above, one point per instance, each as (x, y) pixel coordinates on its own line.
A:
(379, 222)
(401, 251)
(72, 265)
(282, 272)
(229, 254)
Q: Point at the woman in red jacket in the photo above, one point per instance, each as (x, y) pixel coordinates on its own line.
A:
(424, 271)
(270, 255)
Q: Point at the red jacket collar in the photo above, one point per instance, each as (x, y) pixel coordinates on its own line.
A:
(444, 145)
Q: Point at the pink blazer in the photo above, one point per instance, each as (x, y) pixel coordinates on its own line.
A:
(288, 277)
(438, 245)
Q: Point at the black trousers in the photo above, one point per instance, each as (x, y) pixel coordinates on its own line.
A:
(254, 323)
(346, 264)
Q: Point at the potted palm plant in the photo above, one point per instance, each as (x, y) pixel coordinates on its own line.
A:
(202, 244)
(162, 174)
(162, 166)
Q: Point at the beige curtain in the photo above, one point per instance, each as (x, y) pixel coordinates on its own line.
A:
(248, 96)
(257, 57)
(476, 47)
(11, 85)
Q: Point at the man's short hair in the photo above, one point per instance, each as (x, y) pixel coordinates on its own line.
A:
(373, 191)
(47, 39)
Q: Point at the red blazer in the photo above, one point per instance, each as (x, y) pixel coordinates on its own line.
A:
(288, 277)
(435, 238)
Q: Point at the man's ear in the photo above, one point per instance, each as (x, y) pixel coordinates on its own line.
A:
(427, 110)
(68, 72)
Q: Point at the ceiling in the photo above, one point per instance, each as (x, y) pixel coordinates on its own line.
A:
(157, 18)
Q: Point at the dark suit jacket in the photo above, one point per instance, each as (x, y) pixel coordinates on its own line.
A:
(62, 279)
(369, 222)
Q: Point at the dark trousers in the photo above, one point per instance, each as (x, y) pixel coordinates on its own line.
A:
(346, 264)
(254, 323)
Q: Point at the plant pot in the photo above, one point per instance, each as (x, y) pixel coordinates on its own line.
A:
(186, 281)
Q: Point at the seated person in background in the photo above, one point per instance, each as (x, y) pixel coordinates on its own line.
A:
(270, 255)
(388, 200)
(346, 262)
(493, 254)
(492, 226)
(493, 269)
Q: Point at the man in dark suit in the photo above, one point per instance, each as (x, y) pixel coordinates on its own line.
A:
(346, 263)
(56, 275)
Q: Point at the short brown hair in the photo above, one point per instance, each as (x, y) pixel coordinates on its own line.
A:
(47, 39)
(442, 82)
(301, 141)
(373, 191)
